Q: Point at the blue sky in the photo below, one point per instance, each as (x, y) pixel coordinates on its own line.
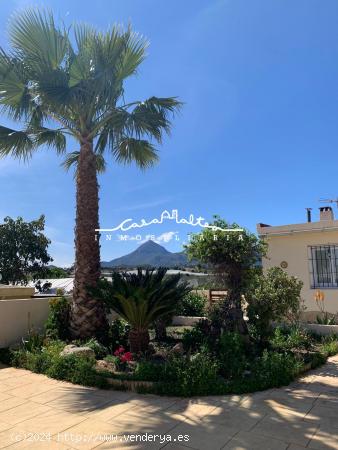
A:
(256, 141)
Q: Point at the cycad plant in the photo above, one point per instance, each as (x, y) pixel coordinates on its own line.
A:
(141, 298)
(61, 83)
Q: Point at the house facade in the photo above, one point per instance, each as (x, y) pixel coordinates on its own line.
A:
(308, 251)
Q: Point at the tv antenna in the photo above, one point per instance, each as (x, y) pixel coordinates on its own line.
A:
(329, 200)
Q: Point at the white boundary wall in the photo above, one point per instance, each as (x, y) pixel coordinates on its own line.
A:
(17, 317)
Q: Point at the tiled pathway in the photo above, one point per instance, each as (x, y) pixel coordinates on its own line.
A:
(39, 413)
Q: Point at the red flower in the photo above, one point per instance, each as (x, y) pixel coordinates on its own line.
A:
(128, 356)
(119, 351)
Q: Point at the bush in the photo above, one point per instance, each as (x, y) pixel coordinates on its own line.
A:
(275, 369)
(193, 339)
(34, 341)
(192, 304)
(329, 346)
(118, 334)
(270, 370)
(148, 371)
(184, 377)
(57, 325)
(74, 368)
(99, 349)
(231, 355)
(326, 319)
(272, 297)
(215, 314)
(290, 338)
(37, 360)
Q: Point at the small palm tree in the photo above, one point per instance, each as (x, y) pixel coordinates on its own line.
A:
(141, 298)
(60, 86)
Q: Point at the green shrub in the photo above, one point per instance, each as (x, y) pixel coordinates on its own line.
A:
(99, 349)
(231, 355)
(272, 297)
(74, 368)
(329, 345)
(57, 324)
(326, 319)
(118, 334)
(317, 359)
(148, 371)
(193, 339)
(184, 377)
(34, 342)
(77, 369)
(192, 304)
(37, 360)
(275, 369)
(290, 338)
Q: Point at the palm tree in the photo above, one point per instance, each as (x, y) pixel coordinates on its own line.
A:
(142, 298)
(61, 86)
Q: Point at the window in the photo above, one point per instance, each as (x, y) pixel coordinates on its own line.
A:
(323, 262)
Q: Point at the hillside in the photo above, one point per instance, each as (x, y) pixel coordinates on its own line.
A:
(150, 254)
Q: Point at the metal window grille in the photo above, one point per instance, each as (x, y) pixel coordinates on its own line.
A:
(323, 266)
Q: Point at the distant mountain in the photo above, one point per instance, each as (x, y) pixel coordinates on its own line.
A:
(150, 254)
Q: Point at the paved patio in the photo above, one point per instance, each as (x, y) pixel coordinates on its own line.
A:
(40, 413)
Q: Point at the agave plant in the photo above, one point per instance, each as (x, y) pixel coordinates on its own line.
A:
(141, 298)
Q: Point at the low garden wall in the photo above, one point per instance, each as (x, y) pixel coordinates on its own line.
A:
(323, 330)
(18, 316)
(185, 320)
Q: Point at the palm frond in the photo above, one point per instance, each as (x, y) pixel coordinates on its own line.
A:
(15, 143)
(51, 138)
(14, 94)
(129, 150)
(150, 117)
(133, 55)
(142, 297)
(34, 36)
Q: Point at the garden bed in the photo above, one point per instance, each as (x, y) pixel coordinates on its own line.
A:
(196, 367)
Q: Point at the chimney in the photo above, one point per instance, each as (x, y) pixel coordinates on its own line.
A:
(308, 214)
(325, 213)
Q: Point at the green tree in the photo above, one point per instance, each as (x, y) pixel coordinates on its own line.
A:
(63, 86)
(56, 272)
(274, 296)
(23, 250)
(232, 256)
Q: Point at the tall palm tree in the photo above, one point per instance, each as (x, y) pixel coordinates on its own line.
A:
(60, 85)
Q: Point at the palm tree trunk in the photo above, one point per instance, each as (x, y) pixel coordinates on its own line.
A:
(138, 340)
(88, 316)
